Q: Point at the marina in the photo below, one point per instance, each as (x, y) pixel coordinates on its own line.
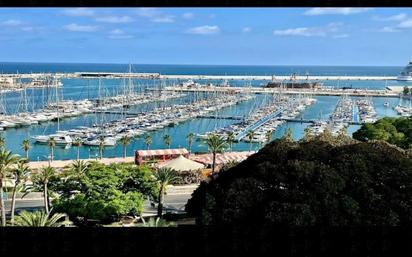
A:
(100, 110)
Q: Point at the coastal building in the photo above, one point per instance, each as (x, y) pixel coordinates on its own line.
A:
(142, 156)
(8, 83)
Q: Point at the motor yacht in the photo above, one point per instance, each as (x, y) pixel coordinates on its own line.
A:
(406, 74)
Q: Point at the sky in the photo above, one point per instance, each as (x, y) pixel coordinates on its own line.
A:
(220, 36)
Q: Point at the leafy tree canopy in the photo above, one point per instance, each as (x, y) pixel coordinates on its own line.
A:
(103, 192)
(311, 183)
(397, 131)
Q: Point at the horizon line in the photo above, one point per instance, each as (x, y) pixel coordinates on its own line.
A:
(185, 64)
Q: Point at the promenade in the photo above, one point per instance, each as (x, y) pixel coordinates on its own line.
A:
(64, 163)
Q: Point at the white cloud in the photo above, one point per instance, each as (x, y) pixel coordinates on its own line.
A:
(339, 11)
(115, 19)
(77, 12)
(389, 29)
(80, 28)
(397, 17)
(204, 30)
(12, 22)
(246, 29)
(121, 36)
(303, 31)
(310, 31)
(188, 16)
(341, 36)
(406, 24)
(154, 15)
(117, 32)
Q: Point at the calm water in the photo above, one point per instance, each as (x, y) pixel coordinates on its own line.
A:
(88, 88)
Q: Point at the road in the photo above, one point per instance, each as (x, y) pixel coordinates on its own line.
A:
(175, 201)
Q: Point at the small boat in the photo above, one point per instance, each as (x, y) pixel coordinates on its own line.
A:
(59, 139)
(386, 104)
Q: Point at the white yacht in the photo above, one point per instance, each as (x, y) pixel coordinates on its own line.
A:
(406, 74)
(60, 139)
(95, 141)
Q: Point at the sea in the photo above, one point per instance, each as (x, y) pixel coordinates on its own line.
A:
(76, 89)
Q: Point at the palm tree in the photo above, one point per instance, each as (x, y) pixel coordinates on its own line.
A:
(77, 142)
(308, 134)
(125, 140)
(190, 141)
(216, 144)
(164, 177)
(6, 160)
(147, 140)
(250, 134)
(158, 222)
(167, 140)
(20, 173)
(52, 143)
(78, 169)
(42, 179)
(25, 145)
(101, 146)
(2, 142)
(39, 219)
(230, 139)
(288, 135)
(268, 136)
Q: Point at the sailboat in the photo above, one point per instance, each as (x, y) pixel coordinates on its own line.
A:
(60, 137)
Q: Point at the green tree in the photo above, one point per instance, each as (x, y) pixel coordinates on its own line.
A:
(167, 140)
(164, 177)
(250, 134)
(230, 139)
(288, 135)
(405, 90)
(397, 131)
(190, 141)
(2, 142)
(20, 174)
(41, 180)
(125, 141)
(52, 143)
(39, 219)
(105, 192)
(7, 159)
(147, 141)
(78, 143)
(101, 146)
(268, 136)
(25, 145)
(309, 184)
(216, 144)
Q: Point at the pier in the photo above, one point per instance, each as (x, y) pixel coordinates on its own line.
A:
(257, 124)
(145, 75)
(220, 117)
(312, 121)
(261, 90)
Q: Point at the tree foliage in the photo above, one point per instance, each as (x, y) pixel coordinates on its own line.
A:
(104, 193)
(311, 183)
(397, 131)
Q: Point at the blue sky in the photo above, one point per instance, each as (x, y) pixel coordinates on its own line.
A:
(238, 36)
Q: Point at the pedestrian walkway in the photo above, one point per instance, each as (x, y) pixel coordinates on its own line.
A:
(64, 163)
